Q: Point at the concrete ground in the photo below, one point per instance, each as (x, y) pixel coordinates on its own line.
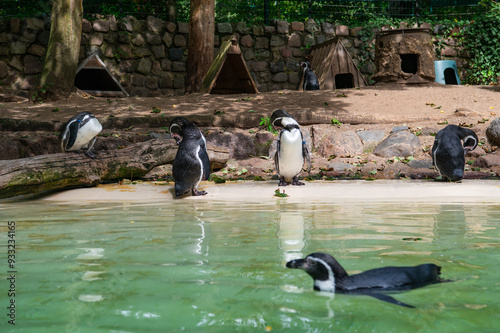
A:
(340, 191)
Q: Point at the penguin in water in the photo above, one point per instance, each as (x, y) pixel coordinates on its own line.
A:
(80, 133)
(291, 152)
(329, 275)
(448, 153)
(310, 79)
(191, 163)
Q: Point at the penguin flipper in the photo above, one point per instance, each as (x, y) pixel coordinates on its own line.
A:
(307, 156)
(70, 135)
(277, 156)
(388, 299)
(205, 162)
(433, 150)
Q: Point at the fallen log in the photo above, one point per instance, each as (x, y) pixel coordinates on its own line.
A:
(34, 175)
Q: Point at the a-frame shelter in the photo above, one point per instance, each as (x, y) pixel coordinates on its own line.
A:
(334, 67)
(229, 73)
(93, 77)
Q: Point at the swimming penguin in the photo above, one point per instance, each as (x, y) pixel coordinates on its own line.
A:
(310, 79)
(191, 163)
(292, 151)
(80, 133)
(448, 153)
(330, 276)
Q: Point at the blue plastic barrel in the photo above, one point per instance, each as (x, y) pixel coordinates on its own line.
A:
(446, 72)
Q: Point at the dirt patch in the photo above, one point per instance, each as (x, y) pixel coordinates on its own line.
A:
(371, 108)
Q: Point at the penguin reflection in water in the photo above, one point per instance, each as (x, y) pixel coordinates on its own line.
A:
(329, 275)
(191, 164)
(80, 133)
(448, 153)
(291, 152)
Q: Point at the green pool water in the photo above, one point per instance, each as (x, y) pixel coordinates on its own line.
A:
(212, 266)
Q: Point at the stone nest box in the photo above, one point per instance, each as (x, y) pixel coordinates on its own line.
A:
(404, 56)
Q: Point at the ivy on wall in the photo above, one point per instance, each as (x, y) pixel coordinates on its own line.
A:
(482, 40)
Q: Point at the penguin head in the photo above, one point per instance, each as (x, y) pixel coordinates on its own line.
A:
(282, 119)
(470, 143)
(177, 127)
(305, 64)
(322, 267)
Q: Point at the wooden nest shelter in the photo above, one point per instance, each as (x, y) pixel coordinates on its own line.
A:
(93, 77)
(229, 73)
(334, 66)
(404, 56)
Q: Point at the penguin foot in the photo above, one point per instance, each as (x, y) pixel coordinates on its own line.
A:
(282, 182)
(197, 193)
(90, 154)
(295, 181)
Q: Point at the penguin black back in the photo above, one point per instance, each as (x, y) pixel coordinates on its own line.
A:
(191, 163)
(448, 151)
(310, 80)
(329, 275)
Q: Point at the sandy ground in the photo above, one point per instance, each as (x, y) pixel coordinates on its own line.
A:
(341, 191)
(381, 104)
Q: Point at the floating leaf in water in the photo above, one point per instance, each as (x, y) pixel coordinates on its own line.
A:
(277, 193)
(412, 239)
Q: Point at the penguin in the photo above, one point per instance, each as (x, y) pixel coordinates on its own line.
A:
(330, 276)
(291, 152)
(448, 152)
(310, 81)
(80, 133)
(191, 163)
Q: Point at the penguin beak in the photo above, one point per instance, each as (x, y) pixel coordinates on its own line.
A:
(297, 263)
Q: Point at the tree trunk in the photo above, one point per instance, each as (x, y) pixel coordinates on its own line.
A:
(59, 70)
(201, 42)
(41, 173)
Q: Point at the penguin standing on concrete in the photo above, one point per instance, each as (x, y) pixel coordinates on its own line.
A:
(448, 153)
(191, 164)
(80, 133)
(329, 275)
(291, 152)
(310, 81)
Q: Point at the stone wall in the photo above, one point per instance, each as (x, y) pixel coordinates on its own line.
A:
(149, 56)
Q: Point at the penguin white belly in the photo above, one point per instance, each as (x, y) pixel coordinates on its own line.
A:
(86, 133)
(290, 154)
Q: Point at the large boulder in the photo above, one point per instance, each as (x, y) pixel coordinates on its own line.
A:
(329, 141)
(493, 132)
(400, 144)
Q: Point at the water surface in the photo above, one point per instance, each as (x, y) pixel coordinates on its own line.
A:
(206, 265)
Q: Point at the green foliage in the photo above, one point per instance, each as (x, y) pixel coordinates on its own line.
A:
(266, 122)
(481, 40)
(335, 121)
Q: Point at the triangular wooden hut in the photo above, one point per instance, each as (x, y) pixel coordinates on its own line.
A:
(93, 77)
(334, 66)
(229, 73)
